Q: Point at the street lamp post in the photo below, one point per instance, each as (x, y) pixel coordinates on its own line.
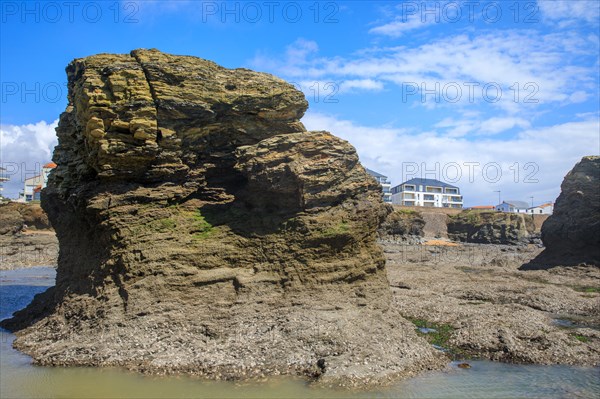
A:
(499, 201)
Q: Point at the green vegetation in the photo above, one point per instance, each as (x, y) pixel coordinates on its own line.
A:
(178, 221)
(410, 212)
(439, 337)
(166, 224)
(581, 338)
(586, 289)
(339, 229)
(471, 217)
(201, 228)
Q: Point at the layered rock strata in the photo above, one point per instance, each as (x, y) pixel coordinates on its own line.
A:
(492, 228)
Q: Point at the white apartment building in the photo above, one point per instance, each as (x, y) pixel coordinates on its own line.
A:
(427, 192)
(385, 184)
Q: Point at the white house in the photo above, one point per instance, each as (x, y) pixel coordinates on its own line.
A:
(513, 206)
(543, 209)
(427, 192)
(34, 185)
(385, 184)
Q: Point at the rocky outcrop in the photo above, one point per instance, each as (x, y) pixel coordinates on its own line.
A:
(204, 230)
(402, 225)
(571, 234)
(26, 237)
(491, 228)
(14, 217)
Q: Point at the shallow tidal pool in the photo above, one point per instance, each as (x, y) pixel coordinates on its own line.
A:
(20, 379)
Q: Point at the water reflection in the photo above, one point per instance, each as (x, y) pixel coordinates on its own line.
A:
(20, 379)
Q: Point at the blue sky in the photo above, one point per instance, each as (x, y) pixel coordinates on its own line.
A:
(488, 95)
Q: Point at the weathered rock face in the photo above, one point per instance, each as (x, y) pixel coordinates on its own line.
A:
(402, 225)
(202, 229)
(491, 228)
(571, 234)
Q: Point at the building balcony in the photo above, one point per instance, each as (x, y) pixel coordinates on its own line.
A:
(454, 199)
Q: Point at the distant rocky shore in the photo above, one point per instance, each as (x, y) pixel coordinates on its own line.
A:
(26, 237)
(410, 225)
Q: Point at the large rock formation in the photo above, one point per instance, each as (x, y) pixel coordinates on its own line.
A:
(571, 234)
(491, 228)
(202, 229)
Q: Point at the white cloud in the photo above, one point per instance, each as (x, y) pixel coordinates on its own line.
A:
(522, 68)
(412, 15)
(461, 127)
(533, 162)
(578, 97)
(352, 85)
(328, 91)
(570, 12)
(23, 150)
(300, 49)
(402, 24)
(294, 63)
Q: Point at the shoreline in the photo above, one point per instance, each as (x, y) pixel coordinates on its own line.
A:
(488, 309)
